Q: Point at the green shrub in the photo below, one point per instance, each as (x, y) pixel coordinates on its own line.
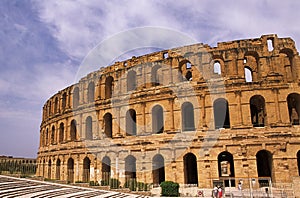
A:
(104, 182)
(94, 183)
(114, 183)
(143, 186)
(131, 184)
(170, 189)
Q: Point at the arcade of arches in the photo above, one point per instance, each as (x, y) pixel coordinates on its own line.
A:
(190, 114)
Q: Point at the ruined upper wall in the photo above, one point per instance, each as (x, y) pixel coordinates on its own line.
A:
(196, 63)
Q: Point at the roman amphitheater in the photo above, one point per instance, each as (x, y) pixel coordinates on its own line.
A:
(194, 115)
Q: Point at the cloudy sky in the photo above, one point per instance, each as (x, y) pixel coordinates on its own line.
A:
(42, 44)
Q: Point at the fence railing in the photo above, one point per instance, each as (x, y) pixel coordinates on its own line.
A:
(253, 187)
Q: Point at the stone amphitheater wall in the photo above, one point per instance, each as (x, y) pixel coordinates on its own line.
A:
(193, 110)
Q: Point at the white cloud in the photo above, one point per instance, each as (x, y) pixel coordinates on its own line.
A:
(80, 25)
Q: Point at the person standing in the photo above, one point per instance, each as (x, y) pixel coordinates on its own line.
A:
(215, 192)
(220, 192)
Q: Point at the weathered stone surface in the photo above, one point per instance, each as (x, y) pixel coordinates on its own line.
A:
(212, 113)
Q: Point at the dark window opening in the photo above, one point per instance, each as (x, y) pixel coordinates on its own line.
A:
(64, 101)
(76, 97)
(108, 125)
(106, 170)
(91, 92)
(158, 169)
(131, 81)
(187, 115)
(89, 128)
(57, 174)
(86, 170)
(221, 114)
(109, 87)
(190, 169)
(73, 132)
(156, 75)
(130, 122)
(157, 119)
(130, 169)
(189, 76)
(293, 101)
(264, 161)
(257, 108)
(226, 167)
(70, 170)
(61, 132)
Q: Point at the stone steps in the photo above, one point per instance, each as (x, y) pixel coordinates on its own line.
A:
(23, 188)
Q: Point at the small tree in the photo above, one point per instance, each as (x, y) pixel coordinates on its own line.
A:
(169, 188)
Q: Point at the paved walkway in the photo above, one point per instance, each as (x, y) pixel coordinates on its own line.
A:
(23, 188)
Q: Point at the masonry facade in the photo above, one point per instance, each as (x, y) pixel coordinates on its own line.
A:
(190, 114)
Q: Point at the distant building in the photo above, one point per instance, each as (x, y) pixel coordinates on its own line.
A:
(194, 115)
(15, 165)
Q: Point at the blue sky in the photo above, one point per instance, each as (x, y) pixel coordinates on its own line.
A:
(42, 44)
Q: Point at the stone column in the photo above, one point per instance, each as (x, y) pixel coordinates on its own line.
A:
(77, 167)
(143, 104)
(277, 108)
(203, 111)
(239, 107)
(171, 102)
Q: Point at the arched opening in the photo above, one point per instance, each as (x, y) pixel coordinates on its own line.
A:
(53, 135)
(130, 168)
(158, 169)
(50, 109)
(56, 105)
(264, 162)
(91, 92)
(73, 130)
(131, 81)
(217, 67)
(156, 75)
(57, 175)
(189, 76)
(46, 137)
(293, 102)
(286, 57)
(257, 108)
(86, 170)
(298, 162)
(185, 71)
(70, 171)
(157, 119)
(221, 113)
(89, 128)
(64, 100)
(43, 168)
(106, 170)
(109, 87)
(75, 97)
(108, 125)
(226, 167)
(130, 122)
(190, 169)
(61, 132)
(187, 114)
(248, 74)
(49, 169)
(251, 62)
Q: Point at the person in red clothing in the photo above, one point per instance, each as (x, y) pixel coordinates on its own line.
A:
(220, 192)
